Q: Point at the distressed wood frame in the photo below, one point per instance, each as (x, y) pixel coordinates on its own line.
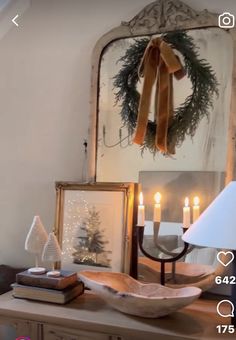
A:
(158, 17)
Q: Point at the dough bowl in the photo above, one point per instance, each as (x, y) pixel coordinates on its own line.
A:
(129, 296)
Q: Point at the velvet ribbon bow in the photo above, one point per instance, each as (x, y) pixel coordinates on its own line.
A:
(158, 66)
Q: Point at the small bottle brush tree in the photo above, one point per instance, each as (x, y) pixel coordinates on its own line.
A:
(92, 242)
(52, 253)
(34, 243)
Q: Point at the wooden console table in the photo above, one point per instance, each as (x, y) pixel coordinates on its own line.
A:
(88, 317)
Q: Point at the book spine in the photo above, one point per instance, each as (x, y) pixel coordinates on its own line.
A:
(32, 293)
(45, 283)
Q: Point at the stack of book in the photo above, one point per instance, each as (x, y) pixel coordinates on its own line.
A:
(49, 289)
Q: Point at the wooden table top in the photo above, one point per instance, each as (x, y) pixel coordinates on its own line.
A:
(89, 312)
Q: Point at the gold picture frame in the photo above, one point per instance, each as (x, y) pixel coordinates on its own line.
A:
(110, 205)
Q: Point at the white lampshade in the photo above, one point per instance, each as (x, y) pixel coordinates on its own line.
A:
(216, 226)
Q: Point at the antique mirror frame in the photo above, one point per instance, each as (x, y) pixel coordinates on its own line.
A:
(158, 17)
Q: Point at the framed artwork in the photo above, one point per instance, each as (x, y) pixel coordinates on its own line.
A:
(94, 225)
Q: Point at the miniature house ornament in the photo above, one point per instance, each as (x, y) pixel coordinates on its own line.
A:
(34, 243)
(52, 253)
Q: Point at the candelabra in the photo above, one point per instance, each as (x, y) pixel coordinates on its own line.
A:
(138, 239)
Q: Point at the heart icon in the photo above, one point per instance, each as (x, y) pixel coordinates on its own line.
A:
(225, 257)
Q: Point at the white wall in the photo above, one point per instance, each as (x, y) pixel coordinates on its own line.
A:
(44, 105)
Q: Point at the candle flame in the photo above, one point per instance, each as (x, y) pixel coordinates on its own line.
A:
(196, 200)
(186, 202)
(157, 197)
(141, 198)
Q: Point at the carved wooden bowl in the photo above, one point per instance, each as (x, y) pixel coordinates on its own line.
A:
(129, 296)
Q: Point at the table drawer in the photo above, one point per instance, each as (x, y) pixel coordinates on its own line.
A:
(61, 333)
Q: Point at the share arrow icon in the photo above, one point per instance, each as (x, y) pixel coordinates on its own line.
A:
(14, 20)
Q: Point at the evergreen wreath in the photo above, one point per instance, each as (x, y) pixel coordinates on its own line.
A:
(188, 115)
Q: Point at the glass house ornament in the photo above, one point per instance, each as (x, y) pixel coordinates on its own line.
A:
(34, 243)
(52, 253)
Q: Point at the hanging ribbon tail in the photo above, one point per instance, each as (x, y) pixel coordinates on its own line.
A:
(169, 64)
(163, 108)
(148, 69)
(170, 143)
(158, 65)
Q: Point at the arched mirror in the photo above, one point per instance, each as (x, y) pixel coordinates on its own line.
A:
(203, 161)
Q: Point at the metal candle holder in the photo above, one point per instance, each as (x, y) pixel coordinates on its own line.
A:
(139, 233)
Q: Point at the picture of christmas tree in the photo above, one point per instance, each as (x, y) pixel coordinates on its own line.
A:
(91, 246)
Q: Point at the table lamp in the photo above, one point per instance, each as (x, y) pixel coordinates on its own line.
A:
(216, 228)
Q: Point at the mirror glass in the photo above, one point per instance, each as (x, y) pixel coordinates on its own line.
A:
(205, 152)
(197, 168)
